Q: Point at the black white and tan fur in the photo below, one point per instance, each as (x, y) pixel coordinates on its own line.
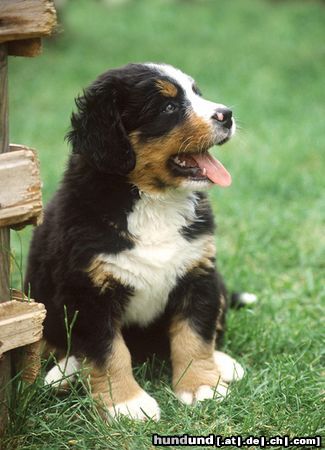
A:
(127, 245)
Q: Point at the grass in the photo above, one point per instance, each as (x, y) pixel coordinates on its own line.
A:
(266, 59)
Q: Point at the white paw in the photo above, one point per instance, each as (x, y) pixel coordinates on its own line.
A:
(229, 369)
(57, 376)
(141, 407)
(204, 392)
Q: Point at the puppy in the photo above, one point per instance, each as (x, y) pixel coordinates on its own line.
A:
(125, 258)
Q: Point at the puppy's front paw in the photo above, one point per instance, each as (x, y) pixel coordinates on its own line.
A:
(201, 381)
(203, 392)
(229, 369)
(141, 407)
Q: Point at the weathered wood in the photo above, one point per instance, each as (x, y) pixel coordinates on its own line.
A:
(24, 19)
(25, 47)
(27, 359)
(21, 323)
(20, 187)
(5, 361)
(31, 362)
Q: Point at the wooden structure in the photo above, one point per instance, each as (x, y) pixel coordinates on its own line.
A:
(22, 25)
(21, 203)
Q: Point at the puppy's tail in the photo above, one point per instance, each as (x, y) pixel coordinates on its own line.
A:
(240, 299)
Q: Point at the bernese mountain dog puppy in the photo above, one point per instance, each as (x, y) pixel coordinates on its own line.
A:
(125, 258)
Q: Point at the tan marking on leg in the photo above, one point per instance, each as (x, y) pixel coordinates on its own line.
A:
(100, 276)
(166, 88)
(114, 383)
(193, 135)
(192, 359)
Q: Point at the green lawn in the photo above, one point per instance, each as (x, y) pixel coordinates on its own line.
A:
(267, 60)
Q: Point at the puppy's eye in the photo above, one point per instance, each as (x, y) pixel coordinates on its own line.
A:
(169, 108)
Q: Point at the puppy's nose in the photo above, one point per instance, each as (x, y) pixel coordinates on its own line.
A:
(223, 116)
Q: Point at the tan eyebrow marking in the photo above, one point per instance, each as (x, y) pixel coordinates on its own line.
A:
(167, 88)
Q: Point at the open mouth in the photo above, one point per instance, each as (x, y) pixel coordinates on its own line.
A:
(200, 167)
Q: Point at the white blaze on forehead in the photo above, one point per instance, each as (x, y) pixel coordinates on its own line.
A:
(203, 108)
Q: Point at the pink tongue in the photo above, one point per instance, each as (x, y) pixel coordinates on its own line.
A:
(214, 169)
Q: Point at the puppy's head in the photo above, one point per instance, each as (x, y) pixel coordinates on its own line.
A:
(149, 123)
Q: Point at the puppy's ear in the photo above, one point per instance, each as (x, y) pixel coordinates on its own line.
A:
(97, 130)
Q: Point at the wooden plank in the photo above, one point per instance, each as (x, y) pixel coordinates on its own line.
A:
(24, 19)
(25, 47)
(5, 360)
(4, 147)
(20, 187)
(21, 323)
(30, 362)
(27, 359)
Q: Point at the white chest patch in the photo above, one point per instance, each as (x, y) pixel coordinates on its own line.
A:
(160, 254)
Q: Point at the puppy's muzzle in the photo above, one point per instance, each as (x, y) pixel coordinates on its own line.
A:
(224, 117)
